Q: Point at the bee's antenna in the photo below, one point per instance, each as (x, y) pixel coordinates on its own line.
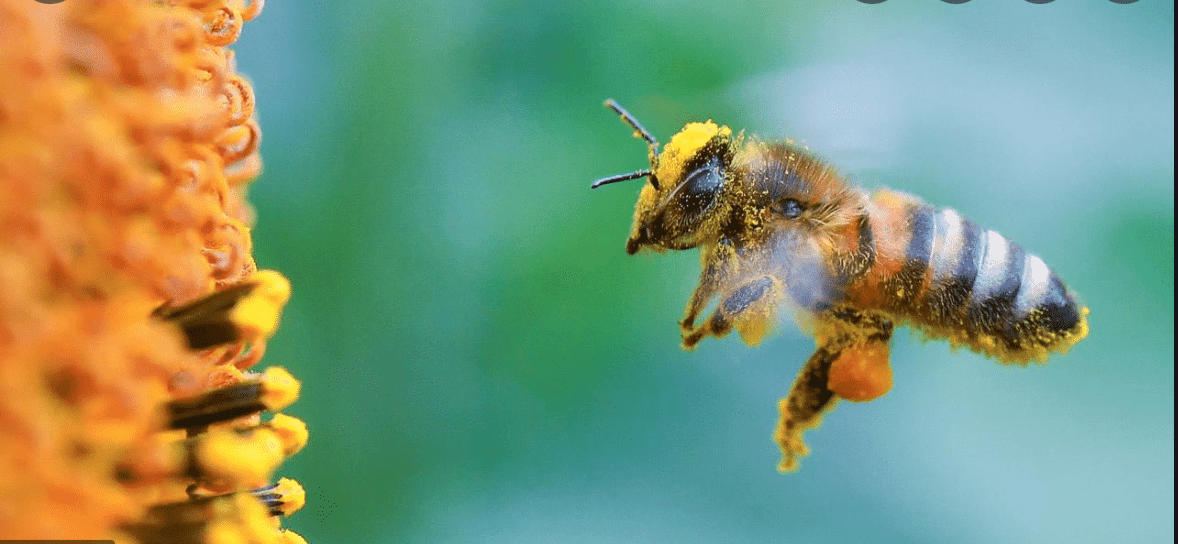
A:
(630, 120)
(652, 146)
(620, 177)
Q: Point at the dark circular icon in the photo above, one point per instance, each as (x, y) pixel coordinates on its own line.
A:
(872, 1)
(1124, 1)
(1040, 1)
(955, 1)
(50, 1)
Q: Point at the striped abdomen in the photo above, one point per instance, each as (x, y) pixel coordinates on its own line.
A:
(951, 278)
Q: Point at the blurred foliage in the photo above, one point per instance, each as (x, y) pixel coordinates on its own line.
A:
(482, 362)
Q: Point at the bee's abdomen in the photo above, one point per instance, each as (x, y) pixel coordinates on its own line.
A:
(973, 286)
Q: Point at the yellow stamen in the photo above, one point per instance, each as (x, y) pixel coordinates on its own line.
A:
(248, 458)
(257, 314)
(283, 498)
(292, 431)
(245, 311)
(280, 388)
(291, 537)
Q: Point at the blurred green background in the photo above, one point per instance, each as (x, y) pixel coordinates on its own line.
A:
(483, 363)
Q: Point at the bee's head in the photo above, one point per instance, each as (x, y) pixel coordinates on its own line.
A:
(681, 203)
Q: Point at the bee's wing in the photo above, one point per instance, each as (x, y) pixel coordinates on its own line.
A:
(797, 260)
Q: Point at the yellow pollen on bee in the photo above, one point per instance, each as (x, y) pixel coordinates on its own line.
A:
(752, 331)
(683, 146)
(861, 373)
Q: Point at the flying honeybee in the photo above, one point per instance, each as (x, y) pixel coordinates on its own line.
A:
(777, 226)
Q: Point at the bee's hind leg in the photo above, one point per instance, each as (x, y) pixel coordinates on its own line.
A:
(749, 308)
(803, 408)
(851, 362)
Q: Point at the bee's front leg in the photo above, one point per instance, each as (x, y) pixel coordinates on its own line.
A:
(716, 263)
(749, 308)
(851, 362)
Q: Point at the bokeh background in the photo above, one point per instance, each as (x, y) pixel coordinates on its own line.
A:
(483, 363)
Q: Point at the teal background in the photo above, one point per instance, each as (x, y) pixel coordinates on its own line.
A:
(481, 362)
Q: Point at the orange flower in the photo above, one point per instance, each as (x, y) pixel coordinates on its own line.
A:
(130, 304)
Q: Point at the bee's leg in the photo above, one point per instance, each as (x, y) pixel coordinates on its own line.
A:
(862, 371)
(802, 409)
(716, 263)
(851, 362)
(748, 308)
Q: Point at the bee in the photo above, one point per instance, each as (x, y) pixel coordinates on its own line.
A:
(776, 226)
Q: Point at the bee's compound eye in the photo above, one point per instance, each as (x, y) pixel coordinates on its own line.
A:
(790, 208)
(700, 187)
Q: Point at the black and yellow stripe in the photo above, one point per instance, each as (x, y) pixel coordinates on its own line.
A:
(969, 284)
